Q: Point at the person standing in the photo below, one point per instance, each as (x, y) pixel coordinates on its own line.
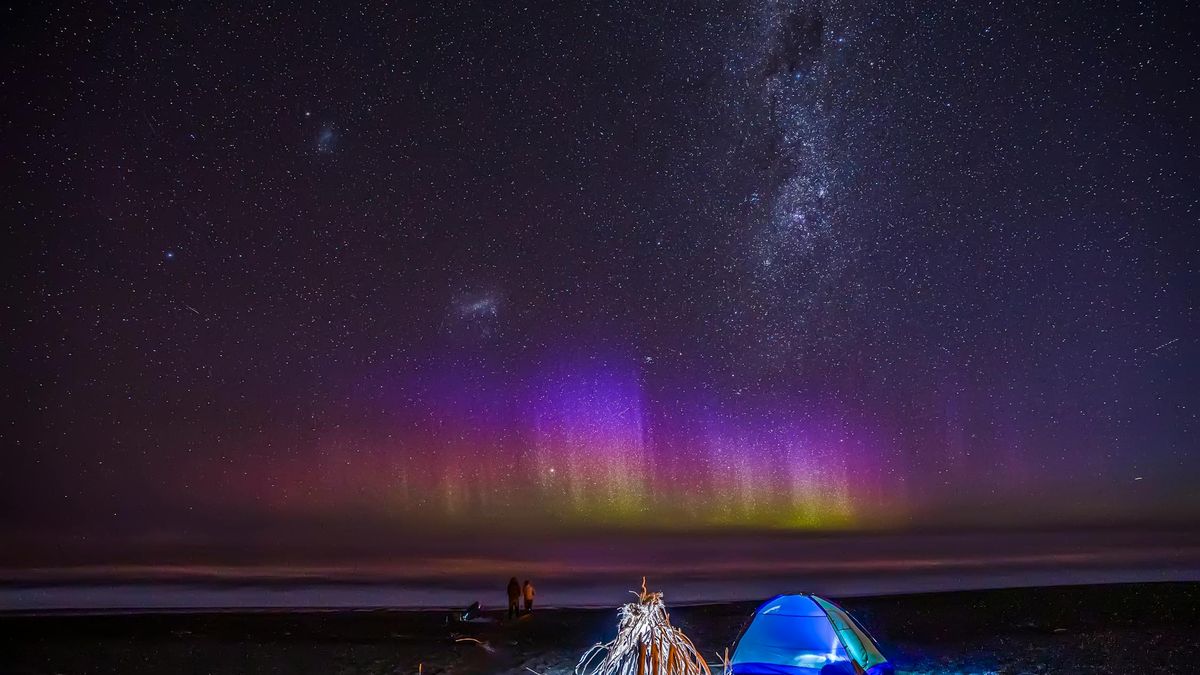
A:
(514, 597)
(528, 592)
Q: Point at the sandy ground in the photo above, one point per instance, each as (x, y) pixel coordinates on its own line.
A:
(1144, 628)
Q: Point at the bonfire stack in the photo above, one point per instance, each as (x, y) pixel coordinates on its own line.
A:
(646, 644)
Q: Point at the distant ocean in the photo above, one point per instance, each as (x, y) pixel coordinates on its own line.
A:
(593, 573)
(183, 597)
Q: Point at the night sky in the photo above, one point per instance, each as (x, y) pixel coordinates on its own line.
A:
(429, 269)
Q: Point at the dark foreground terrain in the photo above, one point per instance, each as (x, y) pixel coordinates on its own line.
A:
(1141, 629)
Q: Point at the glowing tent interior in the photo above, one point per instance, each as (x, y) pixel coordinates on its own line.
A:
(805, 635)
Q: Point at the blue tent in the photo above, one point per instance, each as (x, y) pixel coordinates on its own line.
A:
(806, 635)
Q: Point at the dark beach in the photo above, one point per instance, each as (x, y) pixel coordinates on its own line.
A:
(1131, 628)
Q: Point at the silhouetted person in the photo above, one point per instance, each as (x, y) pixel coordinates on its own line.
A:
(514, 597)
(527, 592)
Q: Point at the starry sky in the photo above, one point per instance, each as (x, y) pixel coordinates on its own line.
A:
(427, 269)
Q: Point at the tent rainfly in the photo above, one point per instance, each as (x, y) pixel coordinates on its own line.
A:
(805, 635)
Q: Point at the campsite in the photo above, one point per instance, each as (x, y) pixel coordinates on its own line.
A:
(1147, 628)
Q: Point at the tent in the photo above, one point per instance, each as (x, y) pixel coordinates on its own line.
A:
(805, 635)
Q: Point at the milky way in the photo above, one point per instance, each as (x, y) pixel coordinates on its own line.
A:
(742, 265)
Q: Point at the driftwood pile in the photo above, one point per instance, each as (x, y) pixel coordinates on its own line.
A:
(646, 644)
